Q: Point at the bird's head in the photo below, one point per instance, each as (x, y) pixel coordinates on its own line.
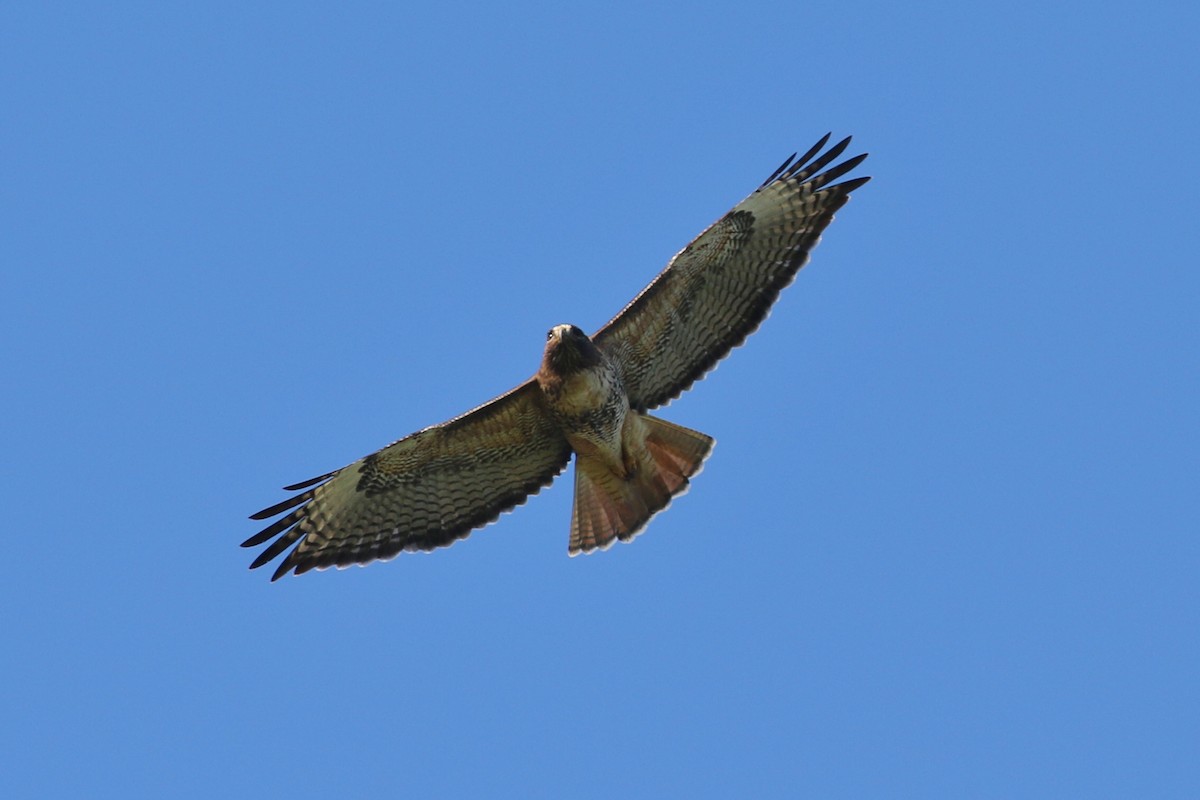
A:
(568, 349)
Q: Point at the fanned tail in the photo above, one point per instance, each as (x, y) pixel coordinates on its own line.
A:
(609, 507)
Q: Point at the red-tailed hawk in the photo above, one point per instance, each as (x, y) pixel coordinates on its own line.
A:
(589, 397)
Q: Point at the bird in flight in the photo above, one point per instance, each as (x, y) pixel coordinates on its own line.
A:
(589, 397)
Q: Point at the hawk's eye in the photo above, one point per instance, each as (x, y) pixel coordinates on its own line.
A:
(549, 334)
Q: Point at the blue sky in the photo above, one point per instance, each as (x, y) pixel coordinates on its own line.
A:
(946, 545)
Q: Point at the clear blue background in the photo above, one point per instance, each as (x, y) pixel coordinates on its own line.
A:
(947, 545)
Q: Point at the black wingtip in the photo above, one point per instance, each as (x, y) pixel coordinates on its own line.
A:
(828, 157)
(279, 573)
(794, 164)
(835, 172)
(849, 186)
(282, 506)
(813, 161)
(786, 163)
(851, 163)
(295, 487)
(816, 148)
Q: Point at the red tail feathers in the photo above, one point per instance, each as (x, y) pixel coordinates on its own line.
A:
(609, 507)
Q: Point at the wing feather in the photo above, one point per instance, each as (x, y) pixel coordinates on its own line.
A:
(717, 290)
(424, 491)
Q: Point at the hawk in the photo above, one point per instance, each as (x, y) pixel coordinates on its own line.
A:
(589, 397)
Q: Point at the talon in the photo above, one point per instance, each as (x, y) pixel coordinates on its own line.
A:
(630, 464)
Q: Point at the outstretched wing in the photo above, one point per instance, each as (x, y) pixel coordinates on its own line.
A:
(717, 290)
(424, 491)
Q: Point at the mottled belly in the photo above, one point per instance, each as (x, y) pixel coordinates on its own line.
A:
(591, 408)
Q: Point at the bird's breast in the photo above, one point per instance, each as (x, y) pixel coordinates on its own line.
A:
(590, 405)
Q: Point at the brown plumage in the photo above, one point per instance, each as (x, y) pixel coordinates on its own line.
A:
(589, 397)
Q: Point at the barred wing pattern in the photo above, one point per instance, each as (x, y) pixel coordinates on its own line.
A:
(425, 491)
(717, 290)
